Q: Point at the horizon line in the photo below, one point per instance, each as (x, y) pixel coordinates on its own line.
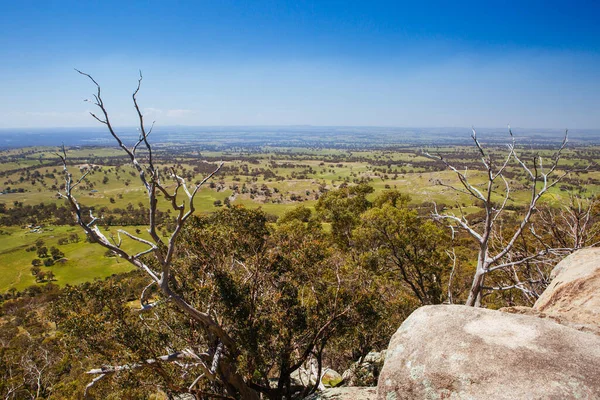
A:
(302, 126)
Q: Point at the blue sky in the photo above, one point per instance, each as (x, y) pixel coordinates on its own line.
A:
(533, 64)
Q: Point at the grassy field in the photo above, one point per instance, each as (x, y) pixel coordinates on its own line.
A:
(295, 175)
(83, 261)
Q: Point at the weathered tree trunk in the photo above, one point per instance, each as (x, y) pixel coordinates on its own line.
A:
(474, 299)
(235, 383)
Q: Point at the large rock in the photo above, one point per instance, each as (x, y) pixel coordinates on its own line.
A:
(365, 371)
(346, 393)
(303, 377)
(459, 352)
(331, 378)
(573, 296)
(308, 377)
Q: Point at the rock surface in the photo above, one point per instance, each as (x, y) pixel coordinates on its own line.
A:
(303, 377)
(459, 352)
(365, 371)
(308, 377)
(556, 317)
(331, 378)
(346, 393)
(573, 295)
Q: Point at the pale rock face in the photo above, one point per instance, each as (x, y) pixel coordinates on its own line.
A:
(459, 352)
(331, 378)
(346, 393)
(365, 371)
(573, 296)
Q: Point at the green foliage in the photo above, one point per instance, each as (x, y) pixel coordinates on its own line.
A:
(393, 198)
(342, 208)
(284, 294)
(42, 252)
(32, 360)
(299, 213)
(56, 253)
(99, 322)
(394, 240)
(281, 293)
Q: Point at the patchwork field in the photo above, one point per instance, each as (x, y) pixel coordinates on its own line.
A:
(275, 179)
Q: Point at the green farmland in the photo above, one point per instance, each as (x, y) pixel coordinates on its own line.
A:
(271, 178)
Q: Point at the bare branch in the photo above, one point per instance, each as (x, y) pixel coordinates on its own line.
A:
(106, 121)
(452, 256)
(506, 196)
(462, 177)
(484, 157)
(178, 355)
(129, 235)
(462, 222)
(92, 383)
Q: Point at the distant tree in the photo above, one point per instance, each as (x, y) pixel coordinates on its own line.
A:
(48, 262)
(50, 275)
(35, 270)
(42, 252)
(300, 213)
(109, 253)
(56, 253)
(342, 208)
(36, 262)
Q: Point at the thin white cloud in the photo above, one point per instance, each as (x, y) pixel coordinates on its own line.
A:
(50, 114)
(152, 111)
(178, 113)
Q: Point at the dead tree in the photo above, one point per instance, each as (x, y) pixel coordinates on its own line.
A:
(573, 225)
(217, 363)
(540, 178)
